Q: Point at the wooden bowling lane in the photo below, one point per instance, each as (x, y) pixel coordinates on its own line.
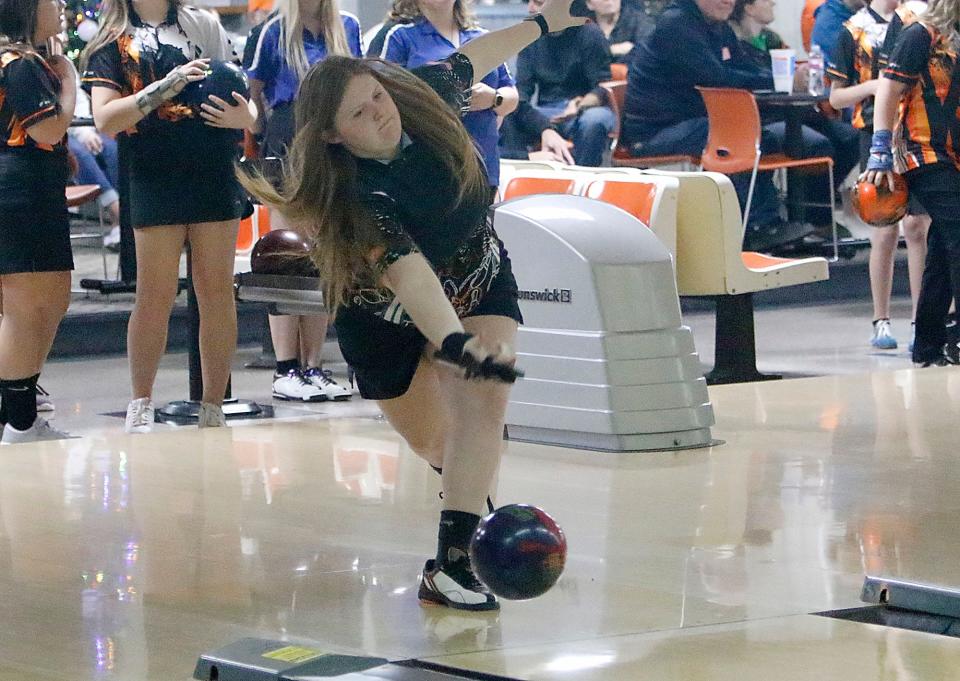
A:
(798, 648)
(125, 557)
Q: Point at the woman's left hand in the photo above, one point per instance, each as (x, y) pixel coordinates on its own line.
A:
(234, 116)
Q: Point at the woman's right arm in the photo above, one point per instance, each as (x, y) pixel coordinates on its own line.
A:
(884, 115)
(114, 113)
(256, 96)
(417, 288)
(842, 97)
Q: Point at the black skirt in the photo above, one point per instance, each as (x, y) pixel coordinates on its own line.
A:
(34, 223)
(384, 356)
(184, 177)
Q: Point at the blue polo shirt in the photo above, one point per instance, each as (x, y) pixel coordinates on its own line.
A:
(418, 43)
(280, 82)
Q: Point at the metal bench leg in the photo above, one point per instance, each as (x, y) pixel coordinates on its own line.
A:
(735, 358)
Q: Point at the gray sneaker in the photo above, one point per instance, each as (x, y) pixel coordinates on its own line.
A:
(40, 430)
(210, 416)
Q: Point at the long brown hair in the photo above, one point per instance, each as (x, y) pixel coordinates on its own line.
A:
(18, 24)
(114, 17)
(319, 193)
(408, 10)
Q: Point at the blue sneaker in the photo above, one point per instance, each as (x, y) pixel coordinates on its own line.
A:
(882, 337)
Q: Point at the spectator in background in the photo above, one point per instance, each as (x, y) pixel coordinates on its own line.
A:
(624, 26)
(97, 163)
(664, 114)
(651, 8)
(419, 32)
(807, 20)
(564, 70)
(749, 22)
(829, 20)
(531, 124)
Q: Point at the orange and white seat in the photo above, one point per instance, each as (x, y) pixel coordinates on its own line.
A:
(711, 262)
(250, 231)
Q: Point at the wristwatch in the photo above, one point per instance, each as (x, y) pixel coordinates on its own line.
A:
(497, 100)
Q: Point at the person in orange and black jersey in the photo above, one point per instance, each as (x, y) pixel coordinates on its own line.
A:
(910, 100)
(144, 54)
(860, 55)
(37, 100)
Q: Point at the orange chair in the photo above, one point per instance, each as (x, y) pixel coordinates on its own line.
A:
(634, 197)
(622, 158)
(733, 145)
(525, 186)
(618, 71)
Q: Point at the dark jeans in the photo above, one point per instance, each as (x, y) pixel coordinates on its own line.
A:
(825, 137)
(589, 131)
(938, 189)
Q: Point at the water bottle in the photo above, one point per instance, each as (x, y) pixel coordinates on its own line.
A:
(815, 71)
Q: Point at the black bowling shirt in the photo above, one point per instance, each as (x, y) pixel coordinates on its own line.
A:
(29, 94)
(412, 199)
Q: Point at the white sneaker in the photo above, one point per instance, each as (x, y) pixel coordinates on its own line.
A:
(293, 385)
(40, 430)
(883, 336)
(112, 238)
(139, 416)
(210, 416)
(44, 403)
(455, 587)
(323, 380)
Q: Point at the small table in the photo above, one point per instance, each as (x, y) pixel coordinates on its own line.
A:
(793, 106)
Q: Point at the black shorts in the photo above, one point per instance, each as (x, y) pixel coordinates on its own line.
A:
(184, 182)
(34, 223)
(914, 207)
(384, 356)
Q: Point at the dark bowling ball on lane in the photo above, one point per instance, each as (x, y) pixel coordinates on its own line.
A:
(282, 251)
(223, 79)
(518, 551)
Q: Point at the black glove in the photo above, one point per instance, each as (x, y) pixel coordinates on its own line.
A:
(452, 351)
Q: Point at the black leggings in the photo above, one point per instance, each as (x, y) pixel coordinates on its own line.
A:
(938, 188)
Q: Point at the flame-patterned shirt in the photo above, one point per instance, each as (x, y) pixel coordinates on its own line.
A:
(928, 129)
(144, 54)
(29, 94)
(862, 52)
(412, 199)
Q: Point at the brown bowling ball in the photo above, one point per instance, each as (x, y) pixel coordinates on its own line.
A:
(877, 205)
(282, 251)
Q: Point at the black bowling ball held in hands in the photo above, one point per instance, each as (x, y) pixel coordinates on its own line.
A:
(223, 79)
(282, 251)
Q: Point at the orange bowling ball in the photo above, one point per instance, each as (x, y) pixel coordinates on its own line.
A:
(877, 205)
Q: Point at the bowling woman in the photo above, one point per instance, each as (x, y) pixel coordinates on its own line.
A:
(182, 186)
(922, 67)
(385, 180)
(37, 98)
(280, 61)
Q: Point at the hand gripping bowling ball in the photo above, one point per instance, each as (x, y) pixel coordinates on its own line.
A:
(518, 551)
(877, 205)
(223, 79)
(282, 251)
